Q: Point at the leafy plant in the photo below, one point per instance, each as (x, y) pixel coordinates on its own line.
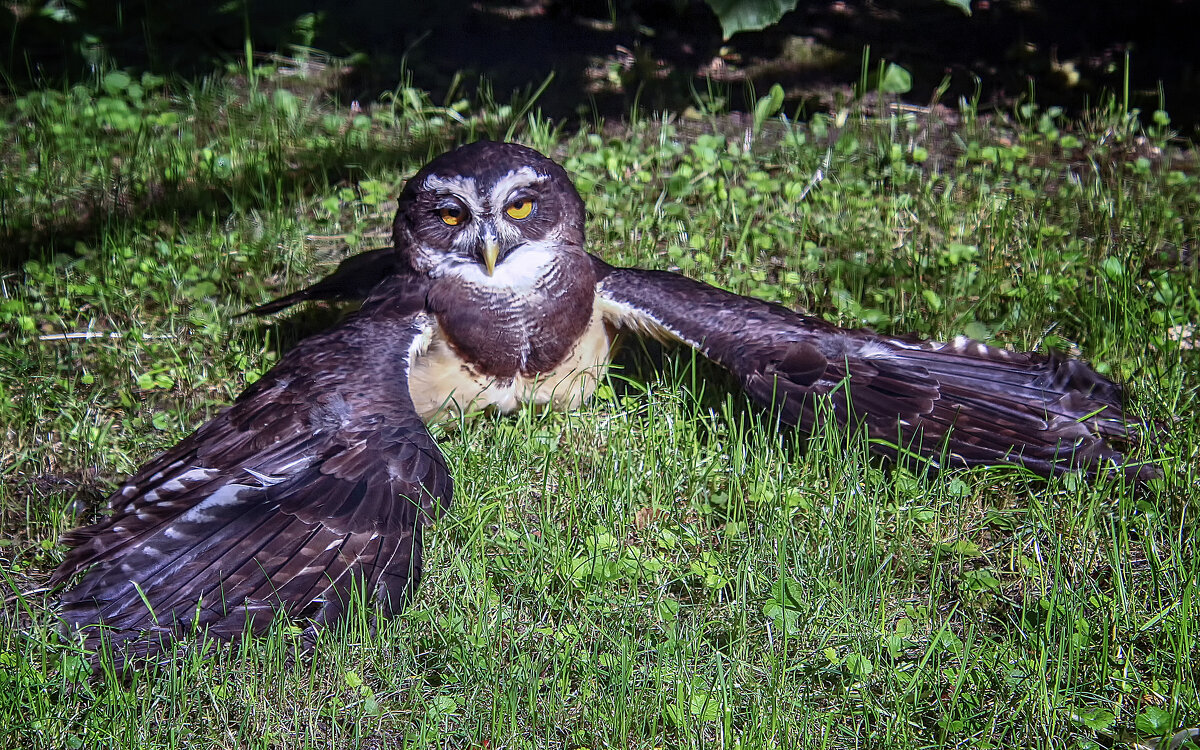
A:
(753, 15)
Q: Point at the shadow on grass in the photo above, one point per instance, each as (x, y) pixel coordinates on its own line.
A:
(88, 220)
(610, 57)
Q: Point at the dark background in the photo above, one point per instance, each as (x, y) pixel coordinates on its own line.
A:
(610, 57)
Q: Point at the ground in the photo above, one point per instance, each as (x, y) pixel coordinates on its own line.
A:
(606, 58)
(660, 569)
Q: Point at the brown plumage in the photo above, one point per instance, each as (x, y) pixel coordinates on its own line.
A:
(315, 481)
(958, 403)
(320, 477)
(354, 279)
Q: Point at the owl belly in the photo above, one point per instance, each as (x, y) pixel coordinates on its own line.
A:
(443, 385)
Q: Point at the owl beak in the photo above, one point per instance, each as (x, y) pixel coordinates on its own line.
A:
(491, 252)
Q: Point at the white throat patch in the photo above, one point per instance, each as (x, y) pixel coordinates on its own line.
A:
(524, 269)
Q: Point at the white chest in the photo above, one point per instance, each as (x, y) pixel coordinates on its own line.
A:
(442, 385)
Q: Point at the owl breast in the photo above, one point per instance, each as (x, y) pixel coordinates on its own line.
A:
(443, 386)
(546, 344)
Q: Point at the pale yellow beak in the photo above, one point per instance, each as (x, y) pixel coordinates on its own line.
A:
(491, 251)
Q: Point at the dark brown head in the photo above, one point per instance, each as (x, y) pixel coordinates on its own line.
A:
(491, 213)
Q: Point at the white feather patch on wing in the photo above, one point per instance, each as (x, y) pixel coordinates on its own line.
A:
(266, 480)
(875, 350)
(198, 474)
(639, 321)
(420, 343)
(227, 495)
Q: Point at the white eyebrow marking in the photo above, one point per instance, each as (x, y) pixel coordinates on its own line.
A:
(509, 183)
(463, 188)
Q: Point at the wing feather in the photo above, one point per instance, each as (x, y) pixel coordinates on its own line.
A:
(353, 279)
(974, 403)
(317, 480)
(979, 404)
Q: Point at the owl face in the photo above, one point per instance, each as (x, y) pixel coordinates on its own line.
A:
(492, 214)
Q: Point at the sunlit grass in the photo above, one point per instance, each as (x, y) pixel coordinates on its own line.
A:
(659, 569)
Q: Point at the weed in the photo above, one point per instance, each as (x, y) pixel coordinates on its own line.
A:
(659, 568)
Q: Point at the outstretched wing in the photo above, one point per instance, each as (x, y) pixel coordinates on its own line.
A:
(957, 403)
(314, 483)
(353, 279)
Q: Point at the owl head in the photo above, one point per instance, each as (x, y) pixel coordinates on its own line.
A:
(491, 213)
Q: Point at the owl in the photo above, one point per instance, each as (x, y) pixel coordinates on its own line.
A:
(317, 482)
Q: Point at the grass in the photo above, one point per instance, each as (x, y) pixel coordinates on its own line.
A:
(658, 569)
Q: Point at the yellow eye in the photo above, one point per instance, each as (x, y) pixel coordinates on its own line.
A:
(452, 215)
(519, 209)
